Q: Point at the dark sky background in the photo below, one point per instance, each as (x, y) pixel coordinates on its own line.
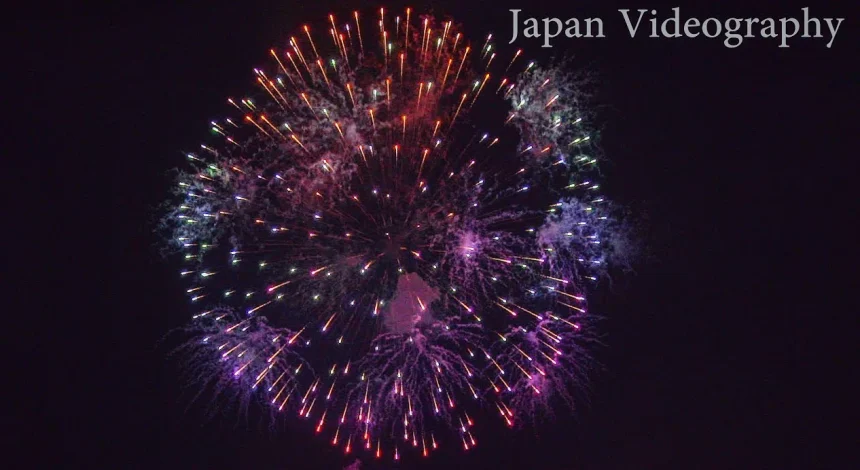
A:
(705, 347)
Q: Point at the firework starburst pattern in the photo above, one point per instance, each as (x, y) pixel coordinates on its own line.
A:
(394, 236)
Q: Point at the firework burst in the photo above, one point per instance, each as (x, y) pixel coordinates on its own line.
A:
(418, 211)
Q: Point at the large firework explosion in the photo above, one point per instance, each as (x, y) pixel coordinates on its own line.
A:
(417, 212)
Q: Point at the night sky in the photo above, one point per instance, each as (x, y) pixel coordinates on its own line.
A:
(715, 149)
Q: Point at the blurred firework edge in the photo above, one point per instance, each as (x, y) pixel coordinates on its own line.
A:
(395, 236)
